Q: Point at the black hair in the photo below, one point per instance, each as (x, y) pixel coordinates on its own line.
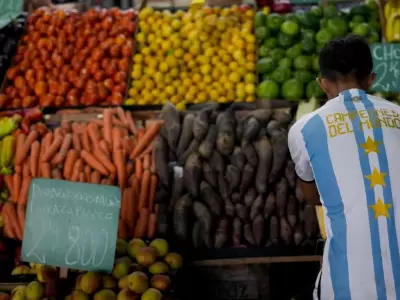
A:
(344, 57)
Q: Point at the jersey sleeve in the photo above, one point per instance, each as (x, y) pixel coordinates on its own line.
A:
(299, 153)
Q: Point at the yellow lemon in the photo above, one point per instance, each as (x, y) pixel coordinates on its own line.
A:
(163, 67)
(230, 96)
(168, 79)
(216, 74)
(149, 85)
(250, 78)
(251, 57)
(207, 79)
(205, 69)
(250, 47)
(214, 95)
(166, 45)
(250, 99)
(250, 89)
(170, 90)
(196, 77)
(234, 77)
(137, 58)
(130, 101)
(146, 51)
(250, 66)
(181, 105)
(228, 86)
(140, 37)
(201, 85)
(233, 65)
(136, 73)
(178, 53)
(174, 99)
(187, 82)
(181, 90)
(251, 39)
(189, 97)
(209, 52)
(201, 97)
(174, 72)
(137, 84)
(133, 92)
(191, 64)
(187, 57)
(171, 61)
(158, 77)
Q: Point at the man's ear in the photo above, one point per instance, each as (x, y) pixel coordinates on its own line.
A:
(322, 84)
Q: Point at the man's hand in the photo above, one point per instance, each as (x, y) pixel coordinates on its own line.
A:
(310, 192)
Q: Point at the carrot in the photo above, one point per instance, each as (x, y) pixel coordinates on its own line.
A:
(124, 205)
(81, 177)
(19, 148)
(25, 167)
(17, 182)
(126, 145)
(116, 139)
(23, 195)
(76, 142)
(85, 140)
(152, 192)
(143, 143)
(117, 122)
(21, 217)
(122, 230)
(60, 156)
(138, 168)
(88, 173)
(141, 132)
(129, 168)
(136, 189)
(76, 128)
(146, 162)
(9, 227)
(107, 129)
(76, 169)
(144, 189)
(131, 122)
(99, 154)
(51, 151)
(70, 160)
(34, 158)
(146, 151)
(33, 135)
(94, 134)
(45, 170)
(121, 115)
(8, 179)
(141, 226)
(95, 177)
(58, 132)
(119, 160)
(92, 161)
(152, 226)
(66, 126)
(104, 147)
(46, 142)
(18, 169)
(12, 214)
(56, 174)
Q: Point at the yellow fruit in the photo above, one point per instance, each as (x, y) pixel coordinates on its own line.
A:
(170, 90)
(149, 85)
(201, 97)
(174, 99)
(146, 51)
(214, 95)
(251, 47)
(140, 37)
(181, 105)
(130, 101)
(234, 77)
(196, 77)
(250, 89)
(250, 78)
(187, 82)
(137, 84)
(250, 99)
(251, 57)
(205, 69)
(233, 66)
(250, 66)
(163, 67)
(207, 79)
(137, 58)
(189, 97)
(133, 92)
(174, 73)
(178, 53)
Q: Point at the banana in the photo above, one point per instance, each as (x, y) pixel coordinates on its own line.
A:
(396, 30)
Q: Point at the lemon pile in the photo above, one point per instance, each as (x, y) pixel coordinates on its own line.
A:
(207, 54)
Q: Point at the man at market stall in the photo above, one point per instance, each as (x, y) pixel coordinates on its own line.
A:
(347, 155)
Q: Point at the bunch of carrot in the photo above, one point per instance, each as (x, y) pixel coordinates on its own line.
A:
(111, 151)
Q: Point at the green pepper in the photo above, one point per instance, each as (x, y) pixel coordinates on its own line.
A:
(8, 125)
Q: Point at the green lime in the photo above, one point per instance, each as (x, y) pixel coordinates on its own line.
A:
(337, 26)
(374, 25)
(268, 89)
(260, 19)
(323, 36)
(303, 76)
(292, 90)
(263, 51)
(266, 65)
(330, 11)
(290, 17)
(274, 21)
(285, 62)
(261, 33)
(271, 43)
(280, 75)
(284, 40)
(315, 63)
(293, 52)
(308, 20)
(302, 62)
(317, 11)
(290, 28)
(358, 19)
(308, 46)
(361, 29)
(314, 90)
(373, 37)
(266, 77)
(277, 53)
(308, 34)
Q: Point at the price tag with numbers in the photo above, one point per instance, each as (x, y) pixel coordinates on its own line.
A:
(386, 58)
(71, 225)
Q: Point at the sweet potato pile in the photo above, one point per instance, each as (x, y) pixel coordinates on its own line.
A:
(226, 180)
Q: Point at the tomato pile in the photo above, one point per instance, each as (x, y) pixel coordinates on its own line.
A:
(71, 59)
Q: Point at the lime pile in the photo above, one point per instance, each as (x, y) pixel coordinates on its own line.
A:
(289, 46)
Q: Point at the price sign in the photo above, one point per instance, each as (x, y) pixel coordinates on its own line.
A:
(71, 225)
(386, 59)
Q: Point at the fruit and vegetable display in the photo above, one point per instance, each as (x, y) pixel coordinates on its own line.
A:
(232, 181)
(392, 22)
(289, 46)
(194, 56)
(68, 58)
(111, 151)
(141, 271)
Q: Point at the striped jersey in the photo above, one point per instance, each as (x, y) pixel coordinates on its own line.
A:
(351, 148)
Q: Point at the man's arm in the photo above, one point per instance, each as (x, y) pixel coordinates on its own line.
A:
(303, 168)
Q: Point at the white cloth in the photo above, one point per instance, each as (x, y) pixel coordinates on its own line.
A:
(351, 147)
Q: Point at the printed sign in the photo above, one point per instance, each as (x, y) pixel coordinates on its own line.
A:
(386, 59)
(71, 225)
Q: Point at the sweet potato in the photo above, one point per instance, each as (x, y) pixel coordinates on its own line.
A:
(226, 123)
(286, 231)
(298, 191)
(273, 232)
(186, 134)
(207, 145)
(247, 178)
(229, 208)
(237, 158)
(182, 215)
(258, 229)
(197, 234)
(161, 157)
(298, 235)
(281, 191)
(223, 186)
(200, 125)
(249, 152)
(236, 198)
(264, 153)
(192, 174)
(217, 162)
(209, 175)
(174, 131)
(279, 155)
(242, 211)
(193, 146)
(250, 196)
(203, 214)
(257, 207)
(300, 213)
(212, 199)
(248, 233)
(269, 207)
(221, 235)
(282, 117)
(240, 127)
(177, 191)
(171, 116)
(237, 231)
(273, 127)
(252, 129)
(232, 177)
(291, 211)
(290, 174)
(263, 115)
(162, 219)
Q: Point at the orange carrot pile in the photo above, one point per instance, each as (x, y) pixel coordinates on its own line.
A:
(111, 151)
